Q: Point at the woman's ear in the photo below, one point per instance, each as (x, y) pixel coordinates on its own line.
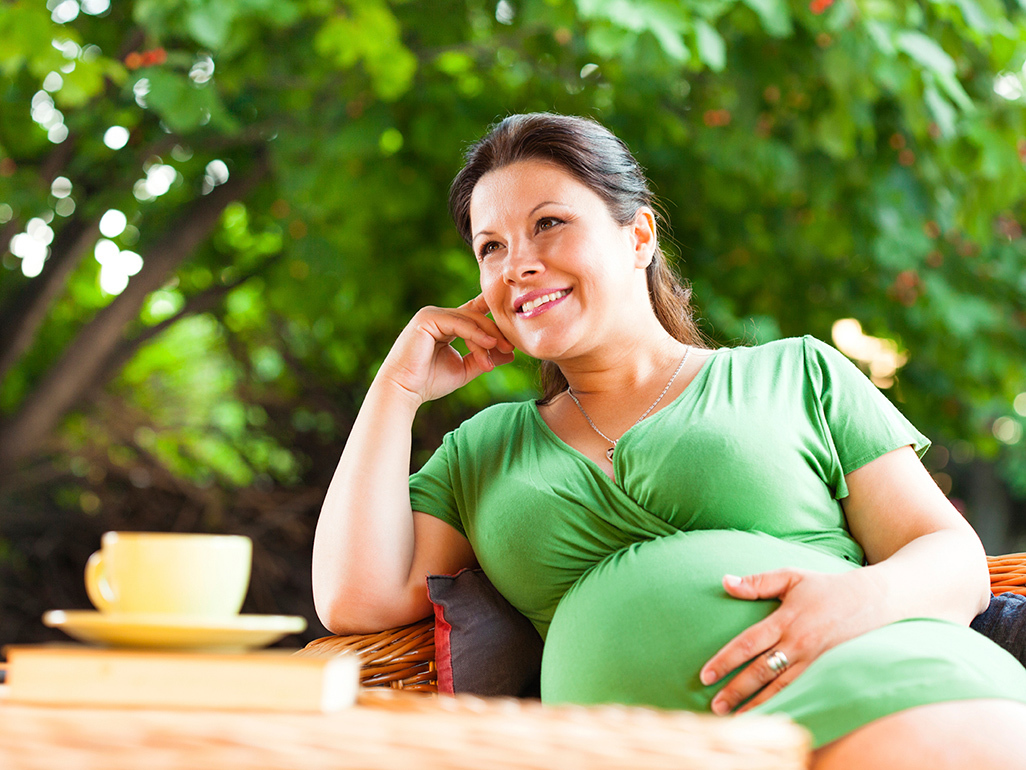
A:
(643, 237)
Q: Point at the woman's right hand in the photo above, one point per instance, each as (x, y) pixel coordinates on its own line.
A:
(423, 361)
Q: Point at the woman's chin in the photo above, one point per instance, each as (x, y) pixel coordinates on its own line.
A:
(542, 353)
(544, 346)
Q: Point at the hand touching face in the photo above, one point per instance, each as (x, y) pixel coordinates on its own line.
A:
(424, 365)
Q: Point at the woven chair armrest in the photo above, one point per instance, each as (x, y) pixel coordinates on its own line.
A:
(404, 658)
(401, 658)
(1008, 573)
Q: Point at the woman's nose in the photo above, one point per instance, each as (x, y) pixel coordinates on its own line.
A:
(522, 260)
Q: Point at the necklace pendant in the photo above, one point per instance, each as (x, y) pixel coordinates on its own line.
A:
(609, 453)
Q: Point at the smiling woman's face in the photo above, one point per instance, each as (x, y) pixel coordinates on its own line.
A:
(557, 271)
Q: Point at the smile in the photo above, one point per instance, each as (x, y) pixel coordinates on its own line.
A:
(541, 304)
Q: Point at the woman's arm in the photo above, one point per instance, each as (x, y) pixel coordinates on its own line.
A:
(371, 551)
(924, 561)
(916, 543)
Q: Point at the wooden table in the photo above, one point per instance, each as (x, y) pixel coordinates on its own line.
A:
(396, 731)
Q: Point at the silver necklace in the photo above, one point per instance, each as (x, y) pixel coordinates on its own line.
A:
(612, 441)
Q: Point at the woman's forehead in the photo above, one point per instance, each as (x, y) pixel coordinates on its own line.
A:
(517, 189)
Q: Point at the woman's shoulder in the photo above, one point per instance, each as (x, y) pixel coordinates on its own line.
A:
(792, 361)
(504, 417)
(786, 349)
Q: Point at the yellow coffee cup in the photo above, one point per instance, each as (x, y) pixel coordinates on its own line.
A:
(169, 573)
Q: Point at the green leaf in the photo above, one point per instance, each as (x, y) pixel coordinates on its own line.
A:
(975, 16)
(775, 16)
(454, 62)
(882, 35)
(26, 31)
(182, 104)
(944, 115)
(210, 23)
(370, 33)
(87, 80)
(610, 42)
(712, 49)
(666, 22)
(925, 51)
(835, 133)
(953, 88)
(671, 41)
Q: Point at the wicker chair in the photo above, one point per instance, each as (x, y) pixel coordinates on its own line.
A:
(404, 658)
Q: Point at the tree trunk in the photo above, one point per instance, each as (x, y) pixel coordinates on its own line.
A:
(126, 349)
(70, 378)
(26, 313)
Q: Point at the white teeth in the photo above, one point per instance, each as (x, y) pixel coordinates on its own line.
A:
(527, 307)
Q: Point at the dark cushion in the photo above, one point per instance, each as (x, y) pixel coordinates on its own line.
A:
(483, 645)
(1004, 621)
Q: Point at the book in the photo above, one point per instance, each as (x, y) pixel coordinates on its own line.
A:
(267, 680)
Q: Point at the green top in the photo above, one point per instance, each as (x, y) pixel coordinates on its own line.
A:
(759, 441)
(742, 473)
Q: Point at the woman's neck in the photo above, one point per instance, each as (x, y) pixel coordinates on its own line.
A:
(626, 367)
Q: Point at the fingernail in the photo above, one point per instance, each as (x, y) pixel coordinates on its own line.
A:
(732, 580)
(720, 707)
(708, 678)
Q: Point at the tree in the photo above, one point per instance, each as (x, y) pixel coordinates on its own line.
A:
(282, 168)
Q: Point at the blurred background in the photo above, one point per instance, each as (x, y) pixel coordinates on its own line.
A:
(216, 216)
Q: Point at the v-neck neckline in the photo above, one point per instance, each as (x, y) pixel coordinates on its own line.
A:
(698, 380)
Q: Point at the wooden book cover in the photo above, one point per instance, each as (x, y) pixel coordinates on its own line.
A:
(275, 680)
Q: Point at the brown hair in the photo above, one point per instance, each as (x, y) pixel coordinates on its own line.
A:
(598, 159)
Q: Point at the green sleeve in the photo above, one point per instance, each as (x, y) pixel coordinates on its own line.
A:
(433, 488)
(860, 422)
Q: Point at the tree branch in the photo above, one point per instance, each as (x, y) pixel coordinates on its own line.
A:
(7, 232)
(57, 160)
(22, 316)
(200, 303)
(71, 376)
(25, 313)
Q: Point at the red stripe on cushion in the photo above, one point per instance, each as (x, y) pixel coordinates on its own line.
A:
(443, 652)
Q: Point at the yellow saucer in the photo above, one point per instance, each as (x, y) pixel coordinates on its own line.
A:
(174, 631)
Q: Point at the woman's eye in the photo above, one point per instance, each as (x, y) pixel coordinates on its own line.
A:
(547, 223)
(487, 249)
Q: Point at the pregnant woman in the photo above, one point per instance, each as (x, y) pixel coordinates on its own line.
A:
(725, 530)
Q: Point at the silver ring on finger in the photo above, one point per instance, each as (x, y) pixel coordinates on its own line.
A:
(777, 662)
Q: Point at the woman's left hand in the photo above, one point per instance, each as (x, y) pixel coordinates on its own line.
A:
(817, 611)
(924, 558)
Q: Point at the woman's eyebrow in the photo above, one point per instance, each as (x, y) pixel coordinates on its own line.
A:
(543, 203)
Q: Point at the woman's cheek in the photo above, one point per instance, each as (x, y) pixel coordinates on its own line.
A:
(507, 328)
(495, 300)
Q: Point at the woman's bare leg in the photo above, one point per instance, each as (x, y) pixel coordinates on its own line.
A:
(977, 734)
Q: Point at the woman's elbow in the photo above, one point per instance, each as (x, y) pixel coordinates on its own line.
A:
(982, 570)
(343, 612)
(985, 593)
(333, 613)
(356, 611)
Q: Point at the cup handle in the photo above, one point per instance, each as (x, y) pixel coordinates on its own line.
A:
(99, 590)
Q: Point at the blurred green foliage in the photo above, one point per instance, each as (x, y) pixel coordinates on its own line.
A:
(823, 160)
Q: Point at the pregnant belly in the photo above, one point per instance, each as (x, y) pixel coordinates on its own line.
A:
(638, 627)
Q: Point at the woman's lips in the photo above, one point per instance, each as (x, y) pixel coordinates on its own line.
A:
(539, 305)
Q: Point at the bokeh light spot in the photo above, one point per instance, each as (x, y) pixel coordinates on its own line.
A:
(1019, 404)
(116, 137)
(1007, 430)
(113, 223)
(881, 355)
(61, 187)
